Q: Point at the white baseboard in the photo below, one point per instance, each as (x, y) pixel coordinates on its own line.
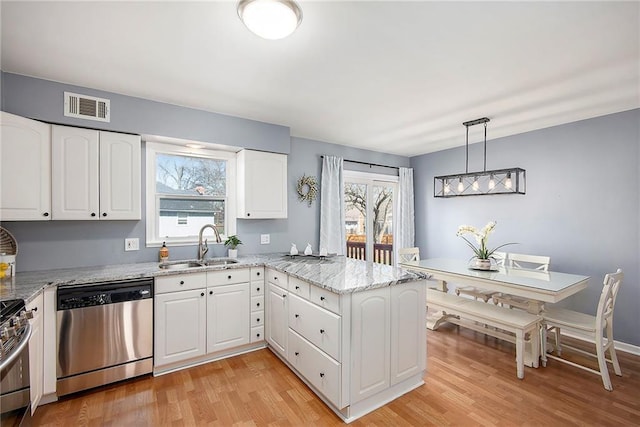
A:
(620, 346)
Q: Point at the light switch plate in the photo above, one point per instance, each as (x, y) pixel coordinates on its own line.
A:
(265, 239)
(132, 244)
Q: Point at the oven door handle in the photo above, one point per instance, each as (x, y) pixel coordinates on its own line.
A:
(17, 350)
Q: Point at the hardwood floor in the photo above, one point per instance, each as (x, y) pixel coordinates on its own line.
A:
(470, 380)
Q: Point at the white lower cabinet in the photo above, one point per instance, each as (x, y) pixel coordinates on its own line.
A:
(180, 326)
(228, 316)
(36, 351)
(203, 316)
(277, 313)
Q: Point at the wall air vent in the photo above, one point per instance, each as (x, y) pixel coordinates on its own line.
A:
(87, 107)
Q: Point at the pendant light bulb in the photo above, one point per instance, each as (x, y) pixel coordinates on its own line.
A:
(447, 189)
(475, 184)
(460, 186)
(507, 183)
(492, 183)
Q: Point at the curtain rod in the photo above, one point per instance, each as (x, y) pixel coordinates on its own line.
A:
(367, 163)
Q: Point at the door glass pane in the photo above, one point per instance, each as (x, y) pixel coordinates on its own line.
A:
(355, 216)
(382, 211)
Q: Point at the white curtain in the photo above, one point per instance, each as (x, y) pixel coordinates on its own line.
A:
(404, 236)
(332, 228)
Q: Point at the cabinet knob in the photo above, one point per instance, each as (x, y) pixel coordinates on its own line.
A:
(202, 294)
(257, 304)
(258, 273)
(210, 292)
(182, 282)
(322, 331)
(93, 214)
(297, 287)
(45, 214)
(297, 315)
(321, 298)
(258, 289)
(248, 214)
(258, 319)
(284, 295)
(258, 335)
(104, 214)
(296, 353)
(229, 277)
(321, 374)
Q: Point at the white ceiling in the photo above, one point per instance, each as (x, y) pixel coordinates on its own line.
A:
(395, 77)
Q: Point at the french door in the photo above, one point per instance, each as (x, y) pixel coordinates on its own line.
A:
(369, 208)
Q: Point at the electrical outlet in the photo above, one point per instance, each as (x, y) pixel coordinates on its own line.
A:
(265, 239)
(132, 244)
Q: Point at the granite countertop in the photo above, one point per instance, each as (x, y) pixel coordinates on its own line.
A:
(337, 274)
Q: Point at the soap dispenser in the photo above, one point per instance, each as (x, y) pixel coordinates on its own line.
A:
(164, 253)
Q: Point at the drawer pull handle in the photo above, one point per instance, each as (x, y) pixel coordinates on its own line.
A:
(321, 374)
(210, 292)
(296, 353)
(202, 294)
(182, 282)
(297, 287)
(322, 331)
(93, 214)
(45, 214)
(284, 295)
(321, 298)
(297, 315)
(104, 214)
(35, 308)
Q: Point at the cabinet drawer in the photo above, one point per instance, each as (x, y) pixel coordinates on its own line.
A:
(257, 288)
(325, 298)
(277, 278)
(227, 277)
(182, 282)
(317, 325)
(257, 273)
(257, 318)
(257, 334)
(257, 303)
(299, 287)
(320, 370)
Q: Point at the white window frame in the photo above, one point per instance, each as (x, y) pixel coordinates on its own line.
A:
(370, 179)
(154, 148)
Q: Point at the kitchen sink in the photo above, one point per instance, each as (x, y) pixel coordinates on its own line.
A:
(182, 265)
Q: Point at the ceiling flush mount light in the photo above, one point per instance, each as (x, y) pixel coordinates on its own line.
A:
(270, 19)
(498, 181)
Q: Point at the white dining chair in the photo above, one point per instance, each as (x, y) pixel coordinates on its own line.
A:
(525, 261)
(558, 319)
(409, 254)
(483, 294)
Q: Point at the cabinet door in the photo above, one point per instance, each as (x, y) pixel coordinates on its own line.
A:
(370, 326)
(36, 350)
(25, 169)
(277, 314)
(120, 194)
(228, 316)
(262, 185)
(74, 173)
(180, 326)
(408, 334)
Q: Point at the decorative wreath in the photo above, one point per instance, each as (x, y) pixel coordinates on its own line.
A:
(307, 189)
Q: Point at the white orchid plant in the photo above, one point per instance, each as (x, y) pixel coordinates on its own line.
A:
(481, 251)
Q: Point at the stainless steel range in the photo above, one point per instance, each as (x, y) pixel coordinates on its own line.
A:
(105, 333)
(15, 332)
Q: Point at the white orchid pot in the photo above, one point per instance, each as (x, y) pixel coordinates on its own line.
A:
(233, 253)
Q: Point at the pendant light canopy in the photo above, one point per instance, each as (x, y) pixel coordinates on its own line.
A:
(497, 181)
(270, 19)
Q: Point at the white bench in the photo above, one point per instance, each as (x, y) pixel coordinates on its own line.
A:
(478, 315)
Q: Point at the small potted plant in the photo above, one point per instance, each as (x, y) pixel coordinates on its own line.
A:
(232, 243)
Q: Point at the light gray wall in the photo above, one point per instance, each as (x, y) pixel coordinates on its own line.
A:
(44, 99)
(582, 206)
(58, 244)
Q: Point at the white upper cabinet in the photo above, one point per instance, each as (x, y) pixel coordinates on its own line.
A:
(262, 185)
(95, 175)
(25, 169)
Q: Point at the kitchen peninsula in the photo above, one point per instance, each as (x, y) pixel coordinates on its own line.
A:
(352, 330)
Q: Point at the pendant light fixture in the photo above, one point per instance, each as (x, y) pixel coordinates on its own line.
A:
(270, 19)
(497, 181)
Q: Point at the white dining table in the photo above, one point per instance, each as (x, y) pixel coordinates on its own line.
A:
(537, 287)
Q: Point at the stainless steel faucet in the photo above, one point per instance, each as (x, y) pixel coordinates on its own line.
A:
(203, 248)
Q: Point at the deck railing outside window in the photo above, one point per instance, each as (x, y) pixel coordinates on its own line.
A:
(382, 252)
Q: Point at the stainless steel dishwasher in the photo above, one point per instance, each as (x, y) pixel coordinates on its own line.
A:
(105, 333)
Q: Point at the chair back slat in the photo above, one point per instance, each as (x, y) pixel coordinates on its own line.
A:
(606, 304)
(535, 262)
(501, 258)
(409, 254)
